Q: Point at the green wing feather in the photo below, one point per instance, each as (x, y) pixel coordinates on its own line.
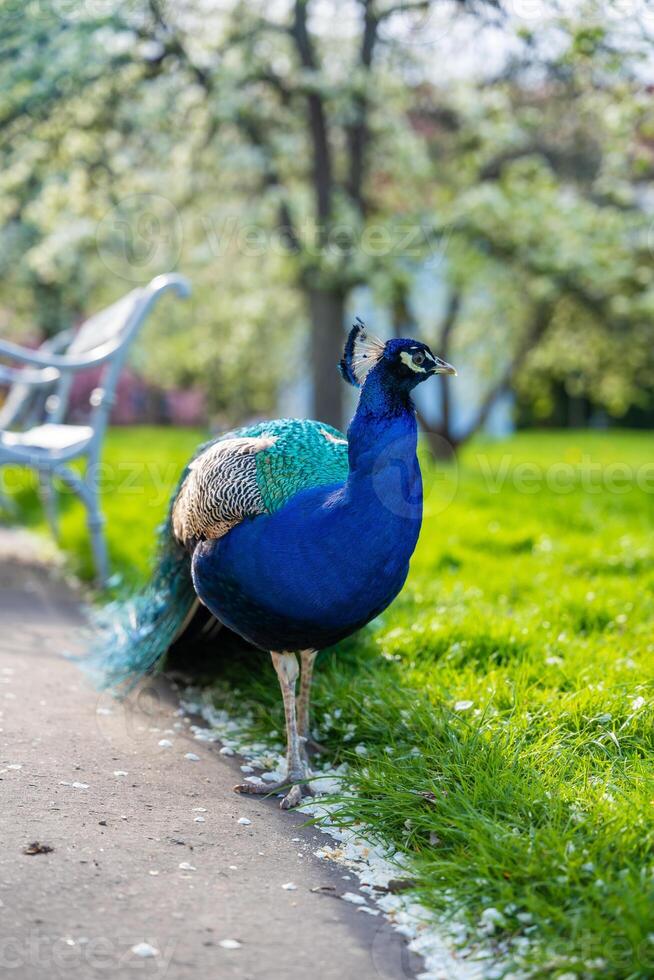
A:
(305, 454)
(254, 470)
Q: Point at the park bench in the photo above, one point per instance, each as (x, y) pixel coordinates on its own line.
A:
(33, 427)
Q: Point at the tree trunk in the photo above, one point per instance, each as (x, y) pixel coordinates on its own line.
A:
(327, 311)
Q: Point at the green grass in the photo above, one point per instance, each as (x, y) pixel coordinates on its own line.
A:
(505, 702)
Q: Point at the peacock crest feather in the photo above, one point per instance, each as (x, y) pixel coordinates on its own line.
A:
(362, 352)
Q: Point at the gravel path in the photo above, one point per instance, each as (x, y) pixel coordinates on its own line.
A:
(151, 874)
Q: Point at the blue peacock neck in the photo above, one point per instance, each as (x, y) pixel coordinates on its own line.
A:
(382, 442)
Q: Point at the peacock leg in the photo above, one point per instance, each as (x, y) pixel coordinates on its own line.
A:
(307, 658)
(297, 771)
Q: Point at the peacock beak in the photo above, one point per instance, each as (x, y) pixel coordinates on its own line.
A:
(442, 367)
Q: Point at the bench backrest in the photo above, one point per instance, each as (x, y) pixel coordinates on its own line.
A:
(111, 330)
(117, 324)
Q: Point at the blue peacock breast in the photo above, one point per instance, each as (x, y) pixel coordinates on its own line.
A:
(310, 574)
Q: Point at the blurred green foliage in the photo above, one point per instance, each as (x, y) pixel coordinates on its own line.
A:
(139, 137)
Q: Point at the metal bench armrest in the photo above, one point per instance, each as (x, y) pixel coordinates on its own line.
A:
(103, 352)
(61, 362)
(24, 376)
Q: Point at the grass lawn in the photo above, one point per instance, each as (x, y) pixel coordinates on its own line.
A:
(499, 718)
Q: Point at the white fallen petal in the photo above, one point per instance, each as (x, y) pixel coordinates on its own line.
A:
(144, 950)
(247, 769)
(77, 785)
(120, 772)
(230, 944)
(289, 887)
(185, 866)
(199, 819)
(165, 743)
(244, 821)
(199, 809)
(491, 919)
(463, 705)
(226, 750)
(192, 757)
(353, 898)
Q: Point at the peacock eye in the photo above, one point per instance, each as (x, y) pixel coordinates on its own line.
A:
(418, 358)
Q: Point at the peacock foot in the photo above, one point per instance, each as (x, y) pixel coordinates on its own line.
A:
(295, 783)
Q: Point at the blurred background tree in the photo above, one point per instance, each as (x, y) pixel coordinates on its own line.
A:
(286, 156)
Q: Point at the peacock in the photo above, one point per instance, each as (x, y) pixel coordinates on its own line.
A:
(290, 535)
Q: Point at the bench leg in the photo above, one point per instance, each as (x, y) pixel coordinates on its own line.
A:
(48, 496)
(7, 505)
(94, 520)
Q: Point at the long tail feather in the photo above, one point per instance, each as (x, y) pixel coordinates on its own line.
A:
(131, 635)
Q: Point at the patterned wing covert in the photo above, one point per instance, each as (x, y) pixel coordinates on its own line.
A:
(219, 490)
(255, 470)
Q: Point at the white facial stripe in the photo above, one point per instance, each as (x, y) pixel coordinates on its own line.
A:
(408, 360)
(430, 356)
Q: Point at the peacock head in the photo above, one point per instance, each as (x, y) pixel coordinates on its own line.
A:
(402, 362)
